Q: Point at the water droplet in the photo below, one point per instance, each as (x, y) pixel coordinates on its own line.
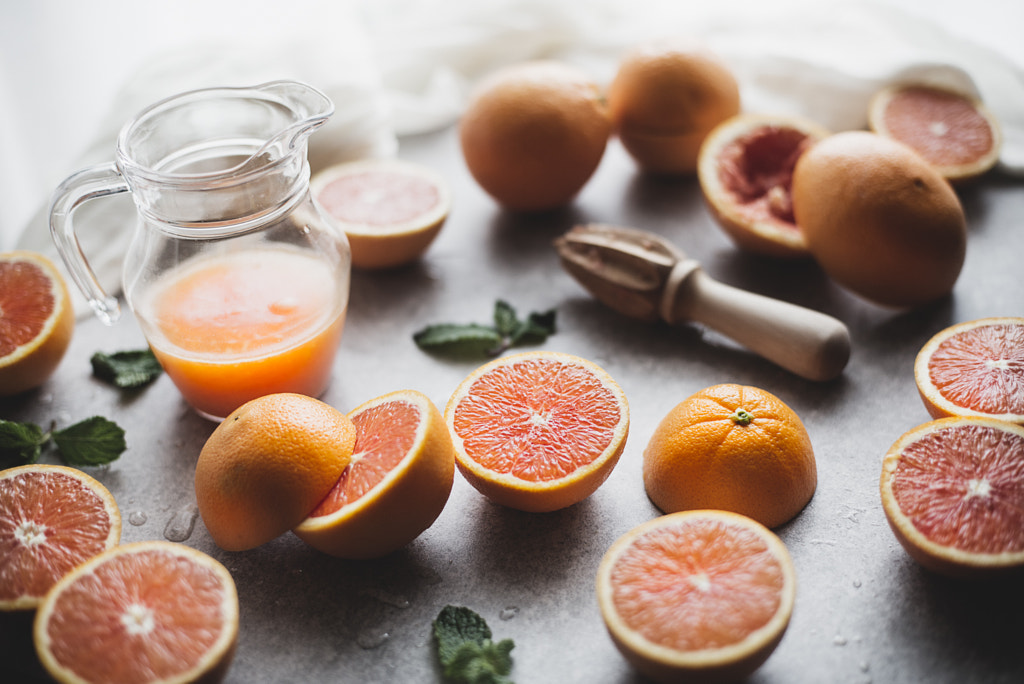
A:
(856, 584)
(179, 527)
(46, 398)
(372, 638)
(864, 667)
(387, 597)
(839, 640)
(137, 518)
(508, 613)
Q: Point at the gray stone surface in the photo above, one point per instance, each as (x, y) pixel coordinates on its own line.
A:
(865, 612)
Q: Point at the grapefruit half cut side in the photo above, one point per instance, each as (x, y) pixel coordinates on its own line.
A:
(396, 485)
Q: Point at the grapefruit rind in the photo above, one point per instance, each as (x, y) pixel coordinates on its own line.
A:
(724, 664)
(938, 558)
(389, 246)
(955, 173)
(25, 603)
(764, 234)
(935, 402)
(402, 505)
(540, 496)
(213, 664)
(33, 363)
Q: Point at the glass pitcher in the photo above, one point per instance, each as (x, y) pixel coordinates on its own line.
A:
(238, 280)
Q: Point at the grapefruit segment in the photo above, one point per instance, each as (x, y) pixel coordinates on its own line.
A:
(396, 485)
(51, 519)
(143, 612)
(975, 368)
(953, 493)
(538, 431)
(953, 131)
(391, 210)
(36, 321)
(745, 169)
(697, 596)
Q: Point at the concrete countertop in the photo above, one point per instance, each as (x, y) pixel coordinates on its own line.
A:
(865, 612)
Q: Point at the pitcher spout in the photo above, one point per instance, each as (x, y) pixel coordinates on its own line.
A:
(311, 107)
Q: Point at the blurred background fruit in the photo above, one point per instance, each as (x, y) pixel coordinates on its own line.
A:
(36, 321)
(391, 210)
(745, 169)
(879, 219)
(953, 131)
(533, 134)
(665, 98)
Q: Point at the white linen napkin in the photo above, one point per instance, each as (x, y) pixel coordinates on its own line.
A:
(412, 71)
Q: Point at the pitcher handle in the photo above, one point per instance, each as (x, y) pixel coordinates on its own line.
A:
(91, 182)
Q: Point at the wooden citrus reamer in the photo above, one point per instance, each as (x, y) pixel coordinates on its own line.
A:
(643, 276)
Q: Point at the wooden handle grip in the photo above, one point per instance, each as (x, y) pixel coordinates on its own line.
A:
(806, 342)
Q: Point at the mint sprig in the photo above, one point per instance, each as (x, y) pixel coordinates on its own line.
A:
(126, 369)
(476, 339)
(91, 442)
(466, 651)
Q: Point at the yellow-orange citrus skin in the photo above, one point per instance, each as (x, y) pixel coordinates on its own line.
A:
(953, 493)
(745, 169)
(698, 596)
(396, 485)
(731, 447)
(144, 612)
(953, 131)
(665, 98)
(538, 431)
(879, 219)
(533, 134)
(51, 519)
(390, 209)
(36, 321)
(974, 368)
(267, 465)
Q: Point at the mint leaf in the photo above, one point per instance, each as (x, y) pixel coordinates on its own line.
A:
(469, 339)
(505, 319)
(126, 369)
(473, 339)
(93, 441)
(535, 329)
(465, 649)
(20, 443)
(483, 663)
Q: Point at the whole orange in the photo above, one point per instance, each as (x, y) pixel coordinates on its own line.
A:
(665, 98)
(734, 448)
(879, 219)
(267, 465)
(534, 133)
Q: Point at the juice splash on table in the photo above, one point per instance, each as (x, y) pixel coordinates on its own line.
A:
(230, 328)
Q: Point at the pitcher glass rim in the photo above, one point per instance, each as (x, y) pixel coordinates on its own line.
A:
(294, 134)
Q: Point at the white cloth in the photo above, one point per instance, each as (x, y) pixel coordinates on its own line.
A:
(411, 72)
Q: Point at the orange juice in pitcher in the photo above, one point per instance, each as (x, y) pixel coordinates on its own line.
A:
(237, 278)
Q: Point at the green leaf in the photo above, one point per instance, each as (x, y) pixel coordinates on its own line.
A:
(20, 443)
(455, 339)
(93, 441)
(483, 663)
(535, 329)
(505, 319)
(465, 649)
(126, 369)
